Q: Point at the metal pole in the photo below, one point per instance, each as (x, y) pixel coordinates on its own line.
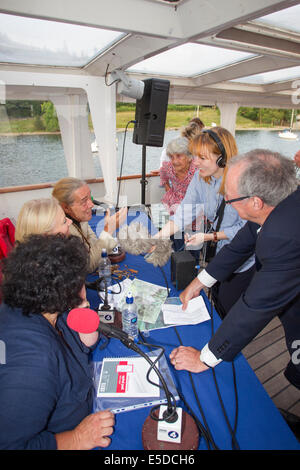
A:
(143, 180)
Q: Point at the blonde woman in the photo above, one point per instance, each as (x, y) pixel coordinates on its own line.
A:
(74, 196)
(212, 150)
(40, 216)
(45, 216)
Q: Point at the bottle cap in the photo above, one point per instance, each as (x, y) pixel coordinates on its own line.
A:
(129, 298)
(104, 253)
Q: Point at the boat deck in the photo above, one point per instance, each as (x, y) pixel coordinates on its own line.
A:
(268, 356)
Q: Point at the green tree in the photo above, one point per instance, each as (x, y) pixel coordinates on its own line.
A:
(23, 108)
(50, 117)
(38, 123)
(249, 113)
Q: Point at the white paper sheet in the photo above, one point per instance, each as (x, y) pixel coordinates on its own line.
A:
(196, 312)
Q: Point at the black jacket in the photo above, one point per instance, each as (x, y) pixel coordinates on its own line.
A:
(275, 287)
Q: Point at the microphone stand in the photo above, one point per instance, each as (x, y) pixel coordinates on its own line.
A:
(189, 430)
(190, 434)
(170, 415)
(105, 307)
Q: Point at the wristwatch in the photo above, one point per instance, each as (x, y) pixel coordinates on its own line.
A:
(215, 236)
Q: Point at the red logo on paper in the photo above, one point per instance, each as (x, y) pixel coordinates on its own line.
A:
(122, 370)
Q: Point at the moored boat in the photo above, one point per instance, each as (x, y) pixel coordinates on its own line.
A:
(287, 134)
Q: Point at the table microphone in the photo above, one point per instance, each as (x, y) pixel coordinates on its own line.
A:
(86, 320)
(97, 203)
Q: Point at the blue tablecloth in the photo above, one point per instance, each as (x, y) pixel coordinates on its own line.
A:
(260, 425)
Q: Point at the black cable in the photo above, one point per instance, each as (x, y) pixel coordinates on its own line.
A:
(200, 426)
(182, 398)
(234, 442)
(169, 396)
(105, 78)
(205, 430)
(96, 285)
(165, 278)
(122, 160)
(210, 438)
(206, 433)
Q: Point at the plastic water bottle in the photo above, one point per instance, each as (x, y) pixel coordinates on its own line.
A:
(104, 269)
(130, 317)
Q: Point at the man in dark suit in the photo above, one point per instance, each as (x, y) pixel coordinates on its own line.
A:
(262, 187)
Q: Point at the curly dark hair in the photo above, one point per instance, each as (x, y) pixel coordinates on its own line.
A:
(45, 274)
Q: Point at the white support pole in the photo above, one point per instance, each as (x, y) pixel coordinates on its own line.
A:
(102, 102)
(228, 115)
(73, 121)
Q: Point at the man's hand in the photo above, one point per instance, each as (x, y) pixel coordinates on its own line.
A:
(187, 358)
(190, 292)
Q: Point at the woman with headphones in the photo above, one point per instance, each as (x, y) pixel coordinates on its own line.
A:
(203, 203)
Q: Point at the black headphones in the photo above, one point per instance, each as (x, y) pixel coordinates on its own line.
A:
(221, 160)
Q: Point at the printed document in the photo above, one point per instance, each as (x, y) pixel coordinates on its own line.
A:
(126, 377)
(196, 312)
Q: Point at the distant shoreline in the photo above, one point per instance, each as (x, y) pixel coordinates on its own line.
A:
(11, 134)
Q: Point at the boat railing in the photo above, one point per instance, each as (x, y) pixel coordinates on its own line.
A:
(32, 187)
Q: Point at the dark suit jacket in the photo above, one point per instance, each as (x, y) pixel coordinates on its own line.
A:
(275, 287)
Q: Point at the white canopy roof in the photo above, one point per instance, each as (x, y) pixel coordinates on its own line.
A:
(226, 52)
(240, 51)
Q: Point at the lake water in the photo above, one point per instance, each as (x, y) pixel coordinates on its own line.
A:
(32, 159)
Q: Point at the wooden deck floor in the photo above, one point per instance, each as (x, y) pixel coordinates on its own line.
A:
(268, 356)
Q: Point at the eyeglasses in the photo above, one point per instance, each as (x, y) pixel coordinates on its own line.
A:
(230, 201)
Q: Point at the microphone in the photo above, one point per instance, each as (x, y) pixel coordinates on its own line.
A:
(86, 320)
(97, 203)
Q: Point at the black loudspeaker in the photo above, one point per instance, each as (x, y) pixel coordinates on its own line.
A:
(150, 113)
(183, 269)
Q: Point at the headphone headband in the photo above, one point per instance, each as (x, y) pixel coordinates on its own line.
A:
(221, 160)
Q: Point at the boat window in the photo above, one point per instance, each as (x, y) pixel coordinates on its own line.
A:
(271, 77)
(44, 42)
(29, 154)
(287, 19)
(189, 60)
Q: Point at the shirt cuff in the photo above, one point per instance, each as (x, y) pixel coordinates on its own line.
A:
(206, 279)
(208, 357)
